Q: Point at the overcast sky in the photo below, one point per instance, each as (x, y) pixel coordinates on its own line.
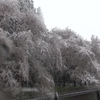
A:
(82, 16)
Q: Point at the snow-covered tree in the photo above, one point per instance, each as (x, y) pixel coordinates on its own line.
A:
(77, 57)
(16, 16)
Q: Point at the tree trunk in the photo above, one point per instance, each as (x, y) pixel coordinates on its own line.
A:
(74, 83)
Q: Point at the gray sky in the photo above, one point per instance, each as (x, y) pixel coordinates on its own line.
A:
(82, 16)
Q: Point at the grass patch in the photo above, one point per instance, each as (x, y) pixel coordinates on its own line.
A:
(70, 89)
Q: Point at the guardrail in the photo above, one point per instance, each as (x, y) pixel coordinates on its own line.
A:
(74, 94)
(97, 91)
